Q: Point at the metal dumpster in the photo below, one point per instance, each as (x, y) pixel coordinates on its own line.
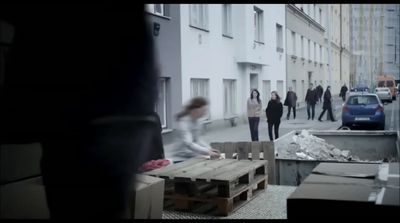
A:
(373, 146)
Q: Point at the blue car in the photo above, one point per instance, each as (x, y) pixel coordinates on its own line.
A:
(360, 88)
(363, 109)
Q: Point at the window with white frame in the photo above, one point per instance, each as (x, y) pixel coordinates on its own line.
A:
(267, 92)
(199, 87)
(258, 24)
(315, 51)
(162, 102)
(320, 54)
(294, 43)
(302, 46)
(158, 9)
(199, 15)
(279, 38)
(229, 97)
(309, 50)
(227, 19)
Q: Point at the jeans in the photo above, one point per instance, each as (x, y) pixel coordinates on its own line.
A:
(276, 130)
(294, 112)
(253, 122)
(312, 106)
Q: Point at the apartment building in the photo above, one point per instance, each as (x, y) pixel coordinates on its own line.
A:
(221, 52)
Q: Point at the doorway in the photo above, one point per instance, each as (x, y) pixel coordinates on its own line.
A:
(253, 81)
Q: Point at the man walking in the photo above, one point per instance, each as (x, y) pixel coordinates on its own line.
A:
(290, 102)
(327, 105)
(320, 92)
(311, 100)
(343, 92)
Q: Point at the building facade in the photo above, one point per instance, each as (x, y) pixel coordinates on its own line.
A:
(306, 56)
(221, 52)
(374, 41)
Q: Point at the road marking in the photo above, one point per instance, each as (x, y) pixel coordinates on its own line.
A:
(392, 118)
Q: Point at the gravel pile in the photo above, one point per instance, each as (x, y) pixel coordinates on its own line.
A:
(308, 147)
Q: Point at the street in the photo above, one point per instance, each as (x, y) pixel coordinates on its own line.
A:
(242, 133)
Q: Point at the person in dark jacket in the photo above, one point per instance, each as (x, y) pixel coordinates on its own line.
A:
(90, 102)
(311, 99)
(274, 113)
(343, 92)
(320, 92)
(290, 102)
(327, 105)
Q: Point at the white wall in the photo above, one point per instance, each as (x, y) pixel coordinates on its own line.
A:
(217, 57)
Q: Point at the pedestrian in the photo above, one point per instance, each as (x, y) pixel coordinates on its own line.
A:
(320, 92)
(290, 102)
(274, 113)
(254, 107)
(311, 99)
(327, 105)
(343, 92)
(189, 143)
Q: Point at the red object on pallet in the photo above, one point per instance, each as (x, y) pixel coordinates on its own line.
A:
(154, 164)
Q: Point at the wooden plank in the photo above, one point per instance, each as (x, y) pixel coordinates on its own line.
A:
(163, 171)
(171, 174)
(256, 147)
(221, 171)
(269, 154)
(208, 166)
(219, 146)
(246, 167)
(230, 149)
(243, 150)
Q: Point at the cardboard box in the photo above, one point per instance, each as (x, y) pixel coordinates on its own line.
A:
(147, 198)
(341, 190)
(24, 200)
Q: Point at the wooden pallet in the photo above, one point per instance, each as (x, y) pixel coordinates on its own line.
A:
(250, 150)
(210, 203)
(217, 182)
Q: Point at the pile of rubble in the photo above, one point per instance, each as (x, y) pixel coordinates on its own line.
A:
(308, 147)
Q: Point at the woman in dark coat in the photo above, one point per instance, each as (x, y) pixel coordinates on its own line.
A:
(290, 102)
(274, 113)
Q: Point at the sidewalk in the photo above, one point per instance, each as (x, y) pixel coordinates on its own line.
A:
(241, 132)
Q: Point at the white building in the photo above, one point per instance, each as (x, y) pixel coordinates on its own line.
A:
(224, 51)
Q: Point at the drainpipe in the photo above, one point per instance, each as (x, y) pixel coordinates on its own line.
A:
(341, 44)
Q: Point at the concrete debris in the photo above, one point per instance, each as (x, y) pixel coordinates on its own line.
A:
(308, 147)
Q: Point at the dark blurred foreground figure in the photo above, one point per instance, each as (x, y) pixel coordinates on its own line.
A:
(80, 79)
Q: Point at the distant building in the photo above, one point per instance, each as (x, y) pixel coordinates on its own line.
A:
(374, 41)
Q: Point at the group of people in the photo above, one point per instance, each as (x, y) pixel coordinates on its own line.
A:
(189, 120)
(274, 110)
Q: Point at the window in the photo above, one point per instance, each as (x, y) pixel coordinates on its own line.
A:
(309, 50)
(320, 54)
(314, 12)
(199, 15)
(294, 42)
(199, 88)
(294, 86)
(302, 46)
(227, 19)
(320, 16)
(267, 92)
(158, 9)
(279, 38)
(229, 98)
(161, 106)
(258, 24)
(315, 52)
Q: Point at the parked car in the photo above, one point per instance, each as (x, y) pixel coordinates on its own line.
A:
(360, 88)
(384, 94)
(363, 109)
